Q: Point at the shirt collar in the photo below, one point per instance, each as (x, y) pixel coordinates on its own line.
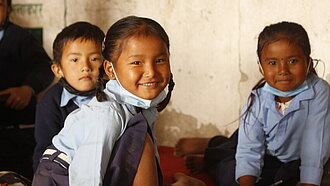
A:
(1, 34)
(78, 100)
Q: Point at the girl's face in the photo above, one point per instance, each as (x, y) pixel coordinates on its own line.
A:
(284, 65)
(143, 67)
(79, 64)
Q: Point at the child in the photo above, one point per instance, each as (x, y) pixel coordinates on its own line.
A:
(136, 56)
(77, 57)
(285, 122)
(284, 134)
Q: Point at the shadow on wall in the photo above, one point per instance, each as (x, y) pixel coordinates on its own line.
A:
(172, 125)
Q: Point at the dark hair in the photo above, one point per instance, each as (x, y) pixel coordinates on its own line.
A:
(292, 32)
(118, 34)
(78, 30)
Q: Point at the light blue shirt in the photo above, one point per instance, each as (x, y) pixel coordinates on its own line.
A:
(90, 132)
(78, 100)
(302, 132)
(1, 34)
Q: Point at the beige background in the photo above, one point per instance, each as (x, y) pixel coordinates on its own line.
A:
(213, 49)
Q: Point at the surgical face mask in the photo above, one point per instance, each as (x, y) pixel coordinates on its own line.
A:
(132, 99)
(290, 93)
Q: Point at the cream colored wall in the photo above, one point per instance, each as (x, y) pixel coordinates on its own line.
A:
(213, 44)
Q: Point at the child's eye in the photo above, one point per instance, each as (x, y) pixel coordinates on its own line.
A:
(291, 61)
(136, 63)
(95, 59)
(160, 60)
(74, 59)
(272, 62)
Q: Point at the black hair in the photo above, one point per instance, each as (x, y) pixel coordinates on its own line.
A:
(116, 36)
(78, 30)
(292, 32)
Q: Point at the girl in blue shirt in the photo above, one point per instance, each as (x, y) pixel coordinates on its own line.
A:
(136, 52)
(284, 134)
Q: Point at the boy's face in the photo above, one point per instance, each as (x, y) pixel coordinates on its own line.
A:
(79, 64)
(143, 67)
(4, 11)
(284, 65)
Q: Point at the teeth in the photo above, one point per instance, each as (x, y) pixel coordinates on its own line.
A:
(148, 84)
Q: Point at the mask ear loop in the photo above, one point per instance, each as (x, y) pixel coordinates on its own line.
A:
(308, 66)
(260, 68)
(317, 61)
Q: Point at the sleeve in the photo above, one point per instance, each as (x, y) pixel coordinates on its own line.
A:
(48, 123)
(251, 140)
(315, 149)
(36, 62)
(93, 151)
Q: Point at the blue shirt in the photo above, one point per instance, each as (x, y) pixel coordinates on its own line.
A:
(90, 132)
(1, 34)
(302, 132)
(78, 100)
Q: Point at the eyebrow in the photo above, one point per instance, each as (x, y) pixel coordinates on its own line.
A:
(140, 55)
(79, 54)
(274, 58)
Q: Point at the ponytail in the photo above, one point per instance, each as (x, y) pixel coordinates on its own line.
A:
(100, 85)
(161, 106)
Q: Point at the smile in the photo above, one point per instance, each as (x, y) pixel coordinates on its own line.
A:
(149, 84)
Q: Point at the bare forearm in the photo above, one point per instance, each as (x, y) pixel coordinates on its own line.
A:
(247, 180)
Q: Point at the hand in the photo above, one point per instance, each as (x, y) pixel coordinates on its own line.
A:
(19, 97)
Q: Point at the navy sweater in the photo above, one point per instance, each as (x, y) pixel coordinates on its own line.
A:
(23, 61)
(50, 119)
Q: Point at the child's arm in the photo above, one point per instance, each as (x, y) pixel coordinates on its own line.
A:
(315, 149)
(49, 121)
(247, 180)
(251, 143)
(92, 133)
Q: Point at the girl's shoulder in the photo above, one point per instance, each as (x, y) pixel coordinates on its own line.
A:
(318, 85)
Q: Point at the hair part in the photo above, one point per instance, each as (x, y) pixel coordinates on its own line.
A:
(78, 30)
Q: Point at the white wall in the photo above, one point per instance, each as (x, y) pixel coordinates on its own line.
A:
(213, 49)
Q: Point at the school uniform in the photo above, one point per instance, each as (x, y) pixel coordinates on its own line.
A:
(52, 110)
(90, 133)
(300, 136)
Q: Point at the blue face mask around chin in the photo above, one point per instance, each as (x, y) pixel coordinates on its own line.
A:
(304, 86)
(132, 99)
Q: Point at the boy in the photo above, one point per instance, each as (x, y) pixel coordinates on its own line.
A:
(77, 58)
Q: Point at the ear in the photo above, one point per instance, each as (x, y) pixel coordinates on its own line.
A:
(57, 70)
(108, 68)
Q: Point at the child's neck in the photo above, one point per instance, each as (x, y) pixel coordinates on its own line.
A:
(283, 99)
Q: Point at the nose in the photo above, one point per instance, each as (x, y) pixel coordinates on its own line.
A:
(150, 70)
(283, 68)
(85, 67)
